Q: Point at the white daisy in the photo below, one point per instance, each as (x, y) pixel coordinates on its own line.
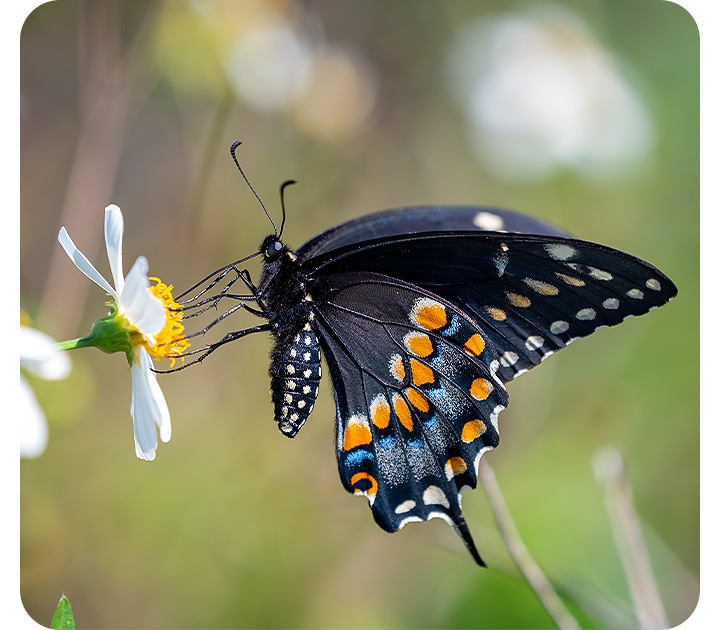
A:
(40, 356)
(144, 321)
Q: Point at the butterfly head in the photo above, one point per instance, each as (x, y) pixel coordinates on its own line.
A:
(272, 248)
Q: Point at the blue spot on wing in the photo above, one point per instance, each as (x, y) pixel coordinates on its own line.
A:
(452, 328)
(386, 442)
(358, 456)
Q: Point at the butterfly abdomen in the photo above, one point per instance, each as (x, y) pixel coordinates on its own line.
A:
(295, 358)
(295, 377)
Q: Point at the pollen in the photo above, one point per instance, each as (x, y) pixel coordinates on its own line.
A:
(170, 342)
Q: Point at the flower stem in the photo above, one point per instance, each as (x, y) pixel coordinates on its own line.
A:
(519, 553)
(73, 344)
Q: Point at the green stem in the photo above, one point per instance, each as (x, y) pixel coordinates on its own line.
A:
(73, 344)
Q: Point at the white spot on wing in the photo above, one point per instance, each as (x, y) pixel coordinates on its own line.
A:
(560, 251)
(586, 314)
(488, 221)
(559, 327)
(635, 294)
(611, 304)
(653, 284)
(600, 274)
(509, 358)
(533, 342)
(405, 507)
(434, 496)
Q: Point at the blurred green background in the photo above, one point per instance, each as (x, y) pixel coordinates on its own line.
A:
(583, 113)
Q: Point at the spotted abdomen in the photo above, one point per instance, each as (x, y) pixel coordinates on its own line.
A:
(295, 376)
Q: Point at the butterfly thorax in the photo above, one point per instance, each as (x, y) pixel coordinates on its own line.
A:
(295, 357)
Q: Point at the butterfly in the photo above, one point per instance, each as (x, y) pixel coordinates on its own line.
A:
(423, 315)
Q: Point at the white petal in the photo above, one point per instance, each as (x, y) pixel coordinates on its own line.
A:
(148, 408)
(142, 309)
(114, 227)
(40, 355)
(82, 263)
(33, 426)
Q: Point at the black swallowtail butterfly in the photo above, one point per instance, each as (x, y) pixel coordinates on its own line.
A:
(423, 315)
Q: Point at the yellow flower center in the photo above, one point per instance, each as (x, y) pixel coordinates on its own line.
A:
(170, 342)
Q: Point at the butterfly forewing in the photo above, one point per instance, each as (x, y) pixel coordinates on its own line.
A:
(419, 219)
(533, 294)
(417, 397)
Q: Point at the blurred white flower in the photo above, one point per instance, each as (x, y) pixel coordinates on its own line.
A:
(269, 65)
(542, 95)
(40, 356)
(279, 61)
(144, 320)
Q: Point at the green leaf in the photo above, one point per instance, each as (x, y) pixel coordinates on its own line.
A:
(63, 617)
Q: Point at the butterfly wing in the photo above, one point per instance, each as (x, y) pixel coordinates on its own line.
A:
(532, 294)
(415, 219)
(416, 392)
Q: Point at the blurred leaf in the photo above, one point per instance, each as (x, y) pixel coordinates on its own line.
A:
(63, 617)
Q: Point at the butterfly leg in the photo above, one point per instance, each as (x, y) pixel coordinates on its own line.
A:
(205, 351)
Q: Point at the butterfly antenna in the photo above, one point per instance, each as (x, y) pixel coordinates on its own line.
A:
(284, 185)
(233, 147)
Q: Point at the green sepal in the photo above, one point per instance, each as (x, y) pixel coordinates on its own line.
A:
(110, 334)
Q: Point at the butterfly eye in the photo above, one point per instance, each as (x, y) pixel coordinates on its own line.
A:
(272, 248)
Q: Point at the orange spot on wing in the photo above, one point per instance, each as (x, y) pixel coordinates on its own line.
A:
(397, 367)
(380, 412)
(430, 315)
(357, 433)
(517, 300)
(402, 411)
(496, 313)
(419, 344)
(417, 400)
(475, 345)
(572, 281)
(480, 388)
(455, 466)
(472, 430)
(371, 484)
(421, 373)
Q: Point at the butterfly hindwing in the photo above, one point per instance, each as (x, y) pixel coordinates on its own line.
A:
(417, 397)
